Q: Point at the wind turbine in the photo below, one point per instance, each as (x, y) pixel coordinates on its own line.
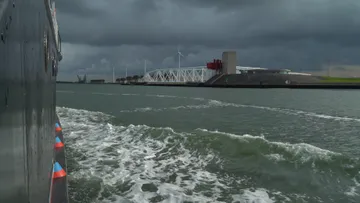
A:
(180, 55)
(113, 73)
(145, 67)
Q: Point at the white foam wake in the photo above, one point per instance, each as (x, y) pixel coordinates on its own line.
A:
(142, 154)
(138, 158)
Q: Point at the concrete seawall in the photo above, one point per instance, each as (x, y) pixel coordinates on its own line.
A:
(265, 79)
(290, 86)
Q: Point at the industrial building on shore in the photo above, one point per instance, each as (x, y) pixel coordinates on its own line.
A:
(227, 72)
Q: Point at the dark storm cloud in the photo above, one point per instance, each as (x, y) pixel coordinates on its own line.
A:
(225, 5)
(253, 24)
(309, 33)
(77, 8)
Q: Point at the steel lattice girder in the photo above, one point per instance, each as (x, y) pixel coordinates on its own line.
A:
(179, 75)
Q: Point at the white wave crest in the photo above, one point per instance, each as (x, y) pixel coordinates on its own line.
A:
(218, 104)
(305, 152)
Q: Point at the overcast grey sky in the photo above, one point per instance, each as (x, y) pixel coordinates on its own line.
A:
(293, 34)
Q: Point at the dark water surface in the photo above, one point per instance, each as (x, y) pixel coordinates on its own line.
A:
(170, 144)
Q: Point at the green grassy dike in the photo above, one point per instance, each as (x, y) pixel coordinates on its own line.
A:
(339, 80)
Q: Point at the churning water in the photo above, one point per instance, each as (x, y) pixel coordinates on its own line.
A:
(142, 146)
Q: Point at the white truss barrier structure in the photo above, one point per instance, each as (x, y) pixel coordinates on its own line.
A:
(198, 74)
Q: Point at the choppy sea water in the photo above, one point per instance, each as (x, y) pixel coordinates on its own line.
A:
(136, 145)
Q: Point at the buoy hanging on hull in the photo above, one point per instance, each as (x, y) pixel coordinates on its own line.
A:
(57, 127)
(58, 143)
(58, 171)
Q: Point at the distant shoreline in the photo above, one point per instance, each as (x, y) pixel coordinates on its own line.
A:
(256, 86)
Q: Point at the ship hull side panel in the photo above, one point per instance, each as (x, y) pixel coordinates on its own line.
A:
(27, 102)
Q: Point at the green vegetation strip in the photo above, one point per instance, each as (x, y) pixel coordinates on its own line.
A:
(339, 80)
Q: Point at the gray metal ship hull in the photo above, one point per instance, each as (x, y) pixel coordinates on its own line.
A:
(28, 69)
